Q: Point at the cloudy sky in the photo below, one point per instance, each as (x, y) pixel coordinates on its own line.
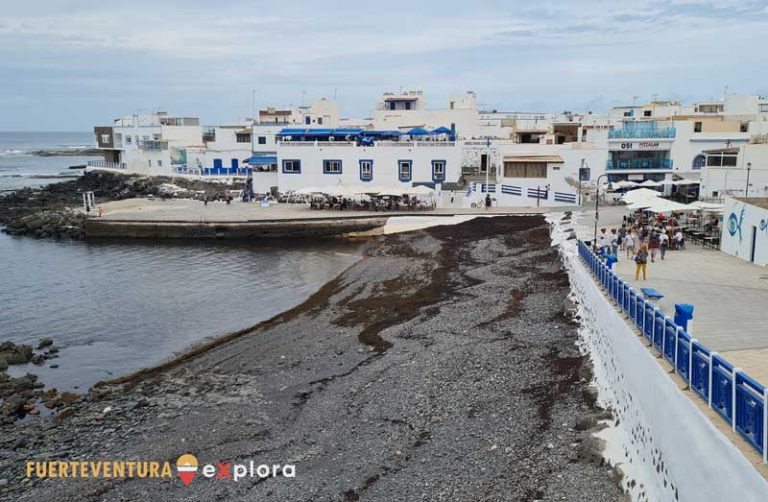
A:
(68, 65)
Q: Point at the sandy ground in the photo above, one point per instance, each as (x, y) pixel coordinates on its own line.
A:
(439, 367)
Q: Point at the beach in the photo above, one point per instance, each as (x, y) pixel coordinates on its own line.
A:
(441, 366)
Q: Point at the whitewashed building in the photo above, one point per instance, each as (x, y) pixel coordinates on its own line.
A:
(745, 229)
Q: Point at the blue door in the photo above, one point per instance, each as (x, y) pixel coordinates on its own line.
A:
(217, 164)
(234, 164)
(754, 244)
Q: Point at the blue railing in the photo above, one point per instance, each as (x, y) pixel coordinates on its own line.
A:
(642, 133)
(730, 392)
(639, 164)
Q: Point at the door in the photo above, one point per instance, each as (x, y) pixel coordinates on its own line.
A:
(754, 243)
(483, 162)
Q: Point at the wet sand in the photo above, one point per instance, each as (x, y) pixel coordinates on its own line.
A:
(439, 367)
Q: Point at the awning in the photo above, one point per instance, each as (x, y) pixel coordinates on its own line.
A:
(417, 131)
(441, 130)
(259, 161)
(534, 158)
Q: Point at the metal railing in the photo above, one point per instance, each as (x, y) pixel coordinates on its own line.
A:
(151, 144)
(642, 133)
(639, 164)
(737, 398)
(107, 165)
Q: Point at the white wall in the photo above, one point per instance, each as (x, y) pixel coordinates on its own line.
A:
(385, 163)
(659, 425)
(740, 220)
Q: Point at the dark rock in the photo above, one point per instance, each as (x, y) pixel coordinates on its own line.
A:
(37, 359)
(15, 354)
(3, 364)
(44, 342)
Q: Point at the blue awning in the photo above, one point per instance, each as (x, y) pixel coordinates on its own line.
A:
(442, 130)
(417, 131)
(260, 161)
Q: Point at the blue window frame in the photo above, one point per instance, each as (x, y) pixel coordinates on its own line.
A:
(291, 166)
(438, 171)
(699, 161)
(332, 166)
(366, 169)
(405, 170)
(307, 120)
(217, 164)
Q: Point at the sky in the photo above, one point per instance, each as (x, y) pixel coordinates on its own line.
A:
(70, 65)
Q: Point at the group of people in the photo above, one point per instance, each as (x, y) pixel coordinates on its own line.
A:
(641, 241)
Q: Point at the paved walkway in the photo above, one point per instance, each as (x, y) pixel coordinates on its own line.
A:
(729, 295)
(196, 211)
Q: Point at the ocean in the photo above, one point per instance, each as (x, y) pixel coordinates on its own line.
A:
(19, 168)
(114, 307)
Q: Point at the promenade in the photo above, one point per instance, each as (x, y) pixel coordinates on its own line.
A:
(194, 211)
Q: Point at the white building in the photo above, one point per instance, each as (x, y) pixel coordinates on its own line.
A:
(745, 229)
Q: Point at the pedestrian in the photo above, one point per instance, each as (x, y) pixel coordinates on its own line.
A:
(629, 244)
(641, 262)
(653, 245)
(622, 236)
(614, 241)
(603, 241)
(663, 243)
(205, 201)
(487, 202)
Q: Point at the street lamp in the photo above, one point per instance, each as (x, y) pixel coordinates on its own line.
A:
(581, 176)
(597, 205)
(746, 189)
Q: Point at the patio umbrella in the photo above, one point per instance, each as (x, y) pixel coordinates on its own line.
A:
(650, 183)
(639, 194)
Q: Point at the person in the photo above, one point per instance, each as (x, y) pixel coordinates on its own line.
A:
(622, 236)
(603, 242)
(663, 243)
(679, 242)
(610, 259)
(614, 240)
(653, 245)
(641, 262)
(487, 201)
(205, 200)
(629, 244)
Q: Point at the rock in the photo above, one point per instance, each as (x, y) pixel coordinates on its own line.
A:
(65, 413)
(3, 482)
(3, 364)
(37, 359)
(44, 342)
(54, 366)
(590, 395)
(53, 350)
(15, 354)
(586, 422)
(591, 449)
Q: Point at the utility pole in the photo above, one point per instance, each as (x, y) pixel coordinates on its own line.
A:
(746, 189)
(597, 205)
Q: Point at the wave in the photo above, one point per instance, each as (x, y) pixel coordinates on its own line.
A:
(12, 152)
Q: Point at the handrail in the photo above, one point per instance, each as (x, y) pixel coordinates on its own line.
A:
(731, 393)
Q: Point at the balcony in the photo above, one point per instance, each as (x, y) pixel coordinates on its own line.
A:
(154, 145)
(640, 164)
(103, 164)
(642, 133)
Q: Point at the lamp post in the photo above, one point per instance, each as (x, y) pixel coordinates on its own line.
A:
(597, 206)
(746, 189)
(582, 169)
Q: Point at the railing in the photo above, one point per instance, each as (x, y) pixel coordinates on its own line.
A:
(435, 143)
(639, 164)
(107, 165)
(737, 398)
(642, 133)
(150, 144)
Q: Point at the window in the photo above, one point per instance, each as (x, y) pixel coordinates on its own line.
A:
(763, 107)
(407, 105)
(128, 140)
(404, 169)
(105, 138)
(646, 113)
(243, 138)
(525, 169)
(319, 120)
(307, 120)
(697, 127)
(291, 166)
(331, 167)
(366, 170)
(699, 161)
(744, 127)
(438, 170)
(150, 162)
(262, 140)
(217, 164)
(159, 163)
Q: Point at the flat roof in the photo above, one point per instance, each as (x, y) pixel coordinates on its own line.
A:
(761, 202)
(533, 158)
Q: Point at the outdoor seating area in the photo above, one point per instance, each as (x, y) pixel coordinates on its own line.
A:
(342, 198)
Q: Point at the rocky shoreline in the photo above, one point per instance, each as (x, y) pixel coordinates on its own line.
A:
(54, 210)
(442, 366)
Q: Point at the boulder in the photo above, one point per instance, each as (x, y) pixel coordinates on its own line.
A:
(44, 342)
